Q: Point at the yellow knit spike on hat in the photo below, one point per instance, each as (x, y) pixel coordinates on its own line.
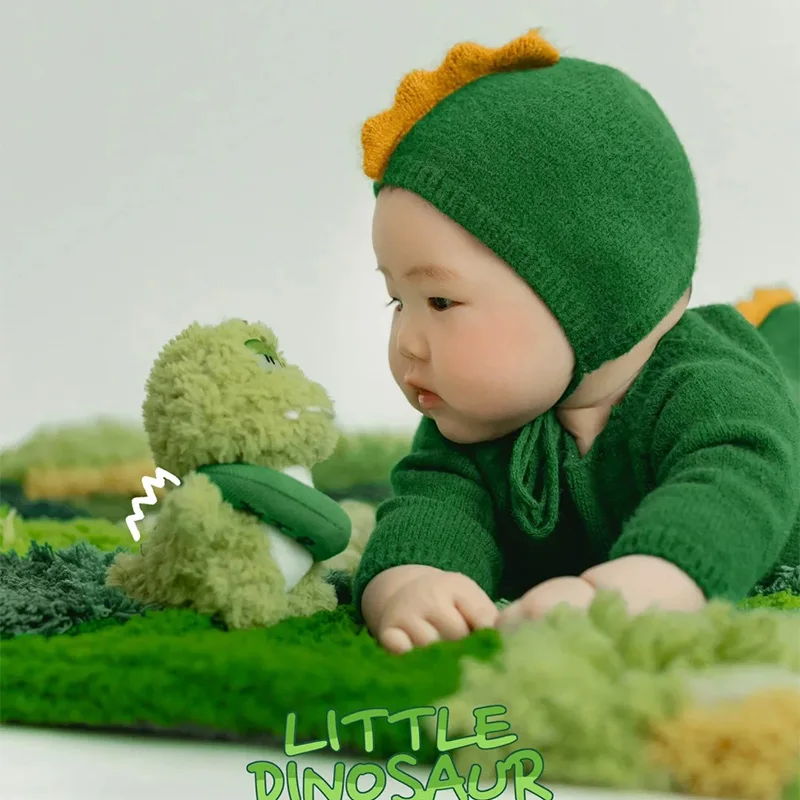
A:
(763, 303)
(421, 90)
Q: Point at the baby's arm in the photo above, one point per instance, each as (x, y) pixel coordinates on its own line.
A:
(431, 564)
(724, 451)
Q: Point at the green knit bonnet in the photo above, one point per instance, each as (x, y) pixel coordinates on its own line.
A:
(571, 173)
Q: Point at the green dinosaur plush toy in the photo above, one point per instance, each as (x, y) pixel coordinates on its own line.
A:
(245, 535)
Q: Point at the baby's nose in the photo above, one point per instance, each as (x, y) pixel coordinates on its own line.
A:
(411, 341)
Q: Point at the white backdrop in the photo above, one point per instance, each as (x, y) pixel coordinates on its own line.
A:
(170, 160)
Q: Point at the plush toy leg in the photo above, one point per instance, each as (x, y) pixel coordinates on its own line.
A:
(313, 593)
(128, 574)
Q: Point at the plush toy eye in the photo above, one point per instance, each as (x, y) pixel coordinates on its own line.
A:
(267, 357)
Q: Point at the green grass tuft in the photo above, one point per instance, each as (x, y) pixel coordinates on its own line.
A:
(17, 533)
(792, 791)
(50, 591)
(784, 600)
(783, 579)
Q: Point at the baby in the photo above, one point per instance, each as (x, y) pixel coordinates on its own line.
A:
(537, 225)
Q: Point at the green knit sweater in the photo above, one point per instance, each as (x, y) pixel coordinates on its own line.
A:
(699, 464)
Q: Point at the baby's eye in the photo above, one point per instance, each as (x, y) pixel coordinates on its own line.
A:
(440, 303)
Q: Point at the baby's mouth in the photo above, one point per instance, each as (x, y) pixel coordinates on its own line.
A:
(427, 400)
(295, 413)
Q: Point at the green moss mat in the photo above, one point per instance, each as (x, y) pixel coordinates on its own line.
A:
(181, 672)
(174, 670)
(583, 688)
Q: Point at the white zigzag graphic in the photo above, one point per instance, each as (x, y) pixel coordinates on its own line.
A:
(149, 499)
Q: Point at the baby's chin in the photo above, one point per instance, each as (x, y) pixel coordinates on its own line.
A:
(471, 427)
(472, 431)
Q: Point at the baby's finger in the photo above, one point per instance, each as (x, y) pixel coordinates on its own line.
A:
(539, 601)
(450, 623)
(408, 633)
(477, 609)
(510, 616)
(421, 632)
(395, 640)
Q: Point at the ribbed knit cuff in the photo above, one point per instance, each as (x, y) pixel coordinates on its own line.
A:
(426, 532)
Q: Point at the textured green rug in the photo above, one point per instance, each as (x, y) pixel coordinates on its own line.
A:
(124, 666)
(601, 696)
(707, 703)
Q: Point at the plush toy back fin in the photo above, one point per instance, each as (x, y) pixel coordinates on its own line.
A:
(776, 314)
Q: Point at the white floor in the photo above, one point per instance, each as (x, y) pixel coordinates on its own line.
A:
(46, 764)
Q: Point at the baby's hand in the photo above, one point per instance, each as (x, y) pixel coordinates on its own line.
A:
(642, 581)
(537, 602)
(645, 582)
(413, 606)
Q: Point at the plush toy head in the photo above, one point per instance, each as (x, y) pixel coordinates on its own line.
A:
(225, 393)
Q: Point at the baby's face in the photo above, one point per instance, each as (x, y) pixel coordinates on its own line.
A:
(471, 345)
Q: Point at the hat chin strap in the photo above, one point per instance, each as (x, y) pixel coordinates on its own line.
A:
(534, 475)
(534, 471)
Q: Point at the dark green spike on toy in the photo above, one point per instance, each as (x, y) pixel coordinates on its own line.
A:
(303, 513)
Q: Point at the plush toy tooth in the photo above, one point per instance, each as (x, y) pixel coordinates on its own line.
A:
(295, 414)
(318, 410)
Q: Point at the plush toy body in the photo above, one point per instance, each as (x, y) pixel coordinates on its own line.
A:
(245, 535)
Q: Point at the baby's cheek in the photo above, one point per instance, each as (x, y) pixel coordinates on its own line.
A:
(486, 374)
(467, 355)
(534, 347)
(491, 355)
(502, 376)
